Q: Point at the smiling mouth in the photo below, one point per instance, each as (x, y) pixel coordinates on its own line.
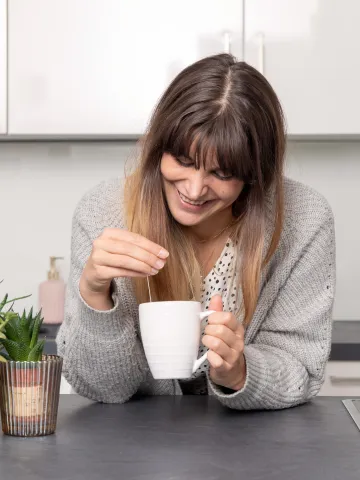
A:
(191, 202)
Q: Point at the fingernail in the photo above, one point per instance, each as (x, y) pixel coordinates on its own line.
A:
(154, 272)
(159, 264)
(163, 253)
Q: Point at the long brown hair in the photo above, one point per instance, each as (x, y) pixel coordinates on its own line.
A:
(216, 105)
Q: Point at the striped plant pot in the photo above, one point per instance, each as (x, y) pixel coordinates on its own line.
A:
(29, 396)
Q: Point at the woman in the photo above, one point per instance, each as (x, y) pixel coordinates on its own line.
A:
(207, 214)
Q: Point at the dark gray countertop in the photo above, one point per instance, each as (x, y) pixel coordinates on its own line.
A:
(187, 438)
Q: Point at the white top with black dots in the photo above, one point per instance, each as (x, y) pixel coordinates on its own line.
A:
(220, 280)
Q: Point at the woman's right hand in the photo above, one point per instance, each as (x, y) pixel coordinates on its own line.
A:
(118, 253)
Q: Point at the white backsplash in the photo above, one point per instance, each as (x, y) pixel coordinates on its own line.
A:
(334, 170)
(40, 184)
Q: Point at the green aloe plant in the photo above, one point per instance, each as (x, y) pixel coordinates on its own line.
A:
(6, 317)
(22, 342)
(19, 335)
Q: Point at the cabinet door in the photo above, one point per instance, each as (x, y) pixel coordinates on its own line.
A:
(309, 51)
(99, 66)
(342, 379)
(3, 66)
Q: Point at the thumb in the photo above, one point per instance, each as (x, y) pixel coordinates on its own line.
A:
(216, 303)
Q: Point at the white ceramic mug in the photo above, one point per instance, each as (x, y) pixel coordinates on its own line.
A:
(170, 333)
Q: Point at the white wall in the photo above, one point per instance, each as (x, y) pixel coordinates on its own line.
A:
(40, 184)
(334, 170)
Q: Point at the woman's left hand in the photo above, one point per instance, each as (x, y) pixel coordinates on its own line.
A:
(224, 337)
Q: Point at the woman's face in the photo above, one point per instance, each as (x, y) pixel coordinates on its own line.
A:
(195, 196)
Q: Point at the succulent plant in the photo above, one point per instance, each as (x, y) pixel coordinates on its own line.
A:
(22, 342)
(5, 317)
(19, 335)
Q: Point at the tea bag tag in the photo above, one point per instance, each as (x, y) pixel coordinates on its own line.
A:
(148, 283)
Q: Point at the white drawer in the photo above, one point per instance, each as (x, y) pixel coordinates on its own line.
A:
(65, 387)
(342, 379)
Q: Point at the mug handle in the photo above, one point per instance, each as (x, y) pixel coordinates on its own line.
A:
(202, 359)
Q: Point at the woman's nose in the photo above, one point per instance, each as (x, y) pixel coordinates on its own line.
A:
(197, 184)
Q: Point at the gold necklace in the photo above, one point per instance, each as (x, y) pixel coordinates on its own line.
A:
(218, 234)
(203, 265)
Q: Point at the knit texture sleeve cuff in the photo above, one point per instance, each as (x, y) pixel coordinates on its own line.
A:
(103, 322)
(274, 380)
(103, 356)
(253, 387)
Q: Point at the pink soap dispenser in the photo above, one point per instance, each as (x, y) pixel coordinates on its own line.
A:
(52, 295)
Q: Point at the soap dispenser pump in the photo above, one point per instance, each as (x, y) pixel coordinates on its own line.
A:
(52, 295)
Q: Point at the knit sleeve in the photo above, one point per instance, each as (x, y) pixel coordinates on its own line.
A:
(103, 355)
(286, 360)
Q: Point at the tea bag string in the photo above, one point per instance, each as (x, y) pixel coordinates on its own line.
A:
(148, 283)
(149, 290)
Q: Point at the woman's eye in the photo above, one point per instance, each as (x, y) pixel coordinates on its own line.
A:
(188, 162)
(223, 175)
(185, 162)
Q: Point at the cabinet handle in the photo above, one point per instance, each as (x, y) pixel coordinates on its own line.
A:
(261, 53)
(344, 380)
(227, 43)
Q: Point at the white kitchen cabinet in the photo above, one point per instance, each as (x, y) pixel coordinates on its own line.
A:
(342, 379)
(309, 51)
(98, 67)
(3, 66)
